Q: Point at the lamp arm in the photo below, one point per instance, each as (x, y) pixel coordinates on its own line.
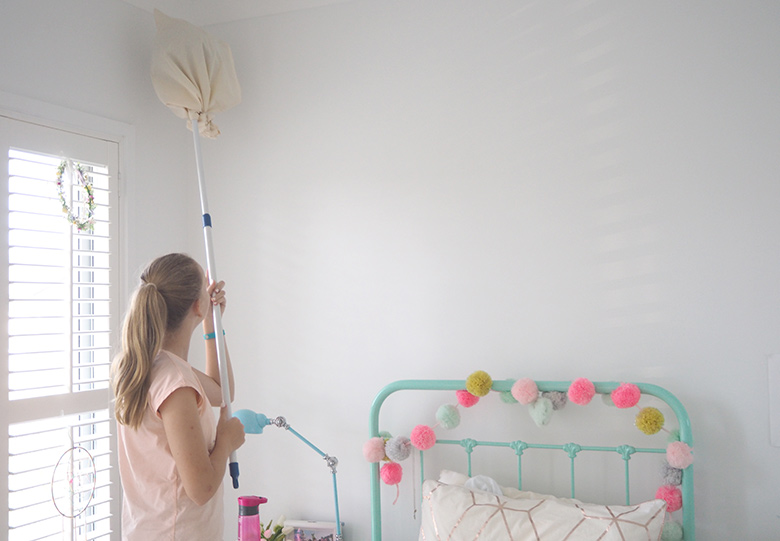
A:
(331, 461)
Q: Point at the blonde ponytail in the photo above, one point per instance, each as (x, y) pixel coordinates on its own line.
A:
(170, 285)
(142, 336)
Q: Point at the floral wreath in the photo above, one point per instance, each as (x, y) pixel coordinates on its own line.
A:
(88, 222)
(392, 450)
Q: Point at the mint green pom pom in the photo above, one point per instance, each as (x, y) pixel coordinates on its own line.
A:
(448, 416)
(672, 531)
(674, 435)
(507, 398)
(541, 411)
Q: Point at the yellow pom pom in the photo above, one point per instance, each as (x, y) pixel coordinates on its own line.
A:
(479, 383)
(650, 420)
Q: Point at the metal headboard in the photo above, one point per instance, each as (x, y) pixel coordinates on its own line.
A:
(626, 451)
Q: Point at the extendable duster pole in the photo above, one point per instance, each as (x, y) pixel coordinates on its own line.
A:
(212, 270)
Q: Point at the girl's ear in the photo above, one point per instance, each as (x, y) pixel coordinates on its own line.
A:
(197, 308)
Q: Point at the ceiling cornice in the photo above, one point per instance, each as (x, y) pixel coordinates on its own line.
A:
(208, 12)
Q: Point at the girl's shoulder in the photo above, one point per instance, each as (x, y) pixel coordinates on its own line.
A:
(170, 372)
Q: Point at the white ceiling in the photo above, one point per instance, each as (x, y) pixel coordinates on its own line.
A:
(205, 12)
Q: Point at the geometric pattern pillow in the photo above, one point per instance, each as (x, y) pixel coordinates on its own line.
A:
(454, 513)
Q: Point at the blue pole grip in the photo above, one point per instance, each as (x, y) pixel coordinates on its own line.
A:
(207, 220)
(234, 473)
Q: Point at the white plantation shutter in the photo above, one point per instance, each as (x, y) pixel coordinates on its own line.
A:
(80, 444)
(58, 309)
(61, 319)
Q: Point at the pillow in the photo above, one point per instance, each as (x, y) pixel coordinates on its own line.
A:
(449, 477)
(484, 483)
(457, 514)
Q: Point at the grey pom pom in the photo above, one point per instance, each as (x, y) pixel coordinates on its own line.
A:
(398, 449)
(672, 476)
(558, 399)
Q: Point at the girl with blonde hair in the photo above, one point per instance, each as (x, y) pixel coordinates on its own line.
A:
(172, 454)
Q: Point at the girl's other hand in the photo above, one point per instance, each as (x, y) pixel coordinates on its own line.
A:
(230, 431)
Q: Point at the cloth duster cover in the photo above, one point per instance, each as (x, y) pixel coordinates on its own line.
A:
(193, 73)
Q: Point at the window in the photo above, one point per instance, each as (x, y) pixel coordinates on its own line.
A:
(61, 311)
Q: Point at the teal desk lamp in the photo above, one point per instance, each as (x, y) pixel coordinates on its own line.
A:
(254, 423)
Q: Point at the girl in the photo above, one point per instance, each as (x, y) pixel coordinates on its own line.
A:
(172, 457)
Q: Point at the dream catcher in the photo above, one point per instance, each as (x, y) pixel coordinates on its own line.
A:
(73, 484)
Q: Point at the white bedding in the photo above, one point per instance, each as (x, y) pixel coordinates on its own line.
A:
(454, 512)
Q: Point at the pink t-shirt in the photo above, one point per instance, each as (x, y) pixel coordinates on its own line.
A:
(155, 504)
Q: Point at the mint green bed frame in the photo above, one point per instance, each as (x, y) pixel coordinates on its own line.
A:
(572, 449)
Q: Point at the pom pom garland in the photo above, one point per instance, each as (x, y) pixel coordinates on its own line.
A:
(448, 416)
(525, 391)
(650, 421)
(423, 437)
(398, 448)
(671, 495)
(374, 449)
(479, 383)
(465, 398)
(678, 455)
(581, 391)
(391, 473)
(626, 395)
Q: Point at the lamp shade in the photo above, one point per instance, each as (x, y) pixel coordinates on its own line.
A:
(253, 422)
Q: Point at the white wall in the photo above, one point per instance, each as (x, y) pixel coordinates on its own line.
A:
(424, 189)
(554, 189)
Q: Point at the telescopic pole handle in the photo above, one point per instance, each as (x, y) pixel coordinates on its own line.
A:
(211, 266)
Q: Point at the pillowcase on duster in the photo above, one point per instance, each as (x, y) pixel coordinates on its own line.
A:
(455, 513)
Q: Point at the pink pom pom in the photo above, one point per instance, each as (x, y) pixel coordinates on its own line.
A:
(391, 473)
(626, 395)
(671, 495)
(581, 391)
(374, 449)
(423, 437)
(678, 455)
(525, 391)
(465, 398)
